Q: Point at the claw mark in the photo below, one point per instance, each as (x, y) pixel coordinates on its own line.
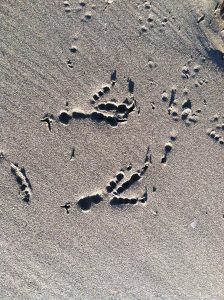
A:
(200, 19)
(67, 207)
(72, 154)
(48, 120)
(108, 2)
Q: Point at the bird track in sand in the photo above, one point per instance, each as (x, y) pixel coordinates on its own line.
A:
(119, 184)
(216, 132)
(110, 112)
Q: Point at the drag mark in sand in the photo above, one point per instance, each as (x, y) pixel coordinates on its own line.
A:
(21, 177)
(23, 181)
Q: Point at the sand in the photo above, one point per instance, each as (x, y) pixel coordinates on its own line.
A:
(112, 150)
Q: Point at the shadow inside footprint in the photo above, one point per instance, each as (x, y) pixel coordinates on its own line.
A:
(122, 201)
(117, 201)
(86, 202)
(64, 118)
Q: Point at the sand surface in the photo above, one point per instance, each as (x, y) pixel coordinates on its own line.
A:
(112, 150)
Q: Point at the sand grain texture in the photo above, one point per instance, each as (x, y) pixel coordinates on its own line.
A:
(112, 150)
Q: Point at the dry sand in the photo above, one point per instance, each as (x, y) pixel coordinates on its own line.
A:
(112, 150)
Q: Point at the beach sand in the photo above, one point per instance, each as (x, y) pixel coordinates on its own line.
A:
(112, 150)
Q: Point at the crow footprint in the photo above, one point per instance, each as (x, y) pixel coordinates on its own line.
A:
(110, 112)
(117, 186)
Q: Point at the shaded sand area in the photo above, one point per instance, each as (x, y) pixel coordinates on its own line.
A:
(112, 150)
